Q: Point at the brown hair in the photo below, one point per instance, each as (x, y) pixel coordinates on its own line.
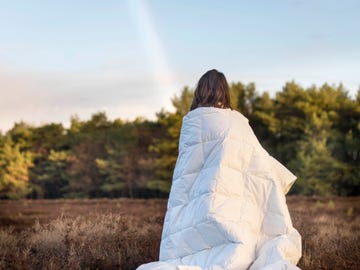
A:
(212, 90)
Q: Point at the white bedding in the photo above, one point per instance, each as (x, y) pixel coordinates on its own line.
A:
(227, 206)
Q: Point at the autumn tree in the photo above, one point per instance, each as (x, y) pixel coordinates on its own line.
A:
(14, 170)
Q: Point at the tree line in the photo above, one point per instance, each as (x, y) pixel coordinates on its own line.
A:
(314, 131)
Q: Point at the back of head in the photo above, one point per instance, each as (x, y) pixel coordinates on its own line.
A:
(212, 90)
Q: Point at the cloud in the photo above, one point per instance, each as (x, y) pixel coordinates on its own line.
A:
(40, 97)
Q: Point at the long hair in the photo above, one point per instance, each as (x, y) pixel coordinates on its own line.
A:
(212, 90)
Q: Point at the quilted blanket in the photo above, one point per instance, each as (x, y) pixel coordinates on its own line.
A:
(227, 207)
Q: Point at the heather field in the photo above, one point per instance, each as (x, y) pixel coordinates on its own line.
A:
(123, 233)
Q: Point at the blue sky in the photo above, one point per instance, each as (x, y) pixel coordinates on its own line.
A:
(128, 58)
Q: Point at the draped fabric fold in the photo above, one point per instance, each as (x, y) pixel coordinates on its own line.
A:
(227, 207)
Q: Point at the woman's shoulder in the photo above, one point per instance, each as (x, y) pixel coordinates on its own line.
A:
(239, 116)
(201, 111)
(205, 110)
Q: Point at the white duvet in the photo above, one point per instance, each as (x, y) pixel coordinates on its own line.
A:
(227, 206)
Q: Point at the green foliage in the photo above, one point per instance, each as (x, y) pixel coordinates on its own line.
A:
(314, 131)
(14, 165)
(21, 134)
(165, 147)
(182, 103)
(317, 170)
(243, 97)
(118, 166)
(50, 176)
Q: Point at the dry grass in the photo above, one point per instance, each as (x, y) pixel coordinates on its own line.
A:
(330, 230)
(123, 233)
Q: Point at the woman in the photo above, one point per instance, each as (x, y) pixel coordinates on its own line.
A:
(227, 206)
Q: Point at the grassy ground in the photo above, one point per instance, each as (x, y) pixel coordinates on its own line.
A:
(124, 233)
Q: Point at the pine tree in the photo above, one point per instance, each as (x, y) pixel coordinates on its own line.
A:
(317, 170)
(165, 147)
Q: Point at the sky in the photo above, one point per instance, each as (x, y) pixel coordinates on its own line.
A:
(129, 57)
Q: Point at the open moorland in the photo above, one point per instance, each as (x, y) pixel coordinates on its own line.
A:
(124, 233)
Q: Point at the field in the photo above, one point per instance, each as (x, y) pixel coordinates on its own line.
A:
(124, 233)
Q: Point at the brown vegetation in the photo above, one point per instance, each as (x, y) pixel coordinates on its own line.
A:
(123, 233)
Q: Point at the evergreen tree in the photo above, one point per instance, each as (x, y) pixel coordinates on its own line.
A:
(165, 147)
(54, 176)
(88, 141)
(119, 165)
(318, 172)
(314, 131)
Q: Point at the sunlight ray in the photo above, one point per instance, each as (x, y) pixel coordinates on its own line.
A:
(163, 76)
